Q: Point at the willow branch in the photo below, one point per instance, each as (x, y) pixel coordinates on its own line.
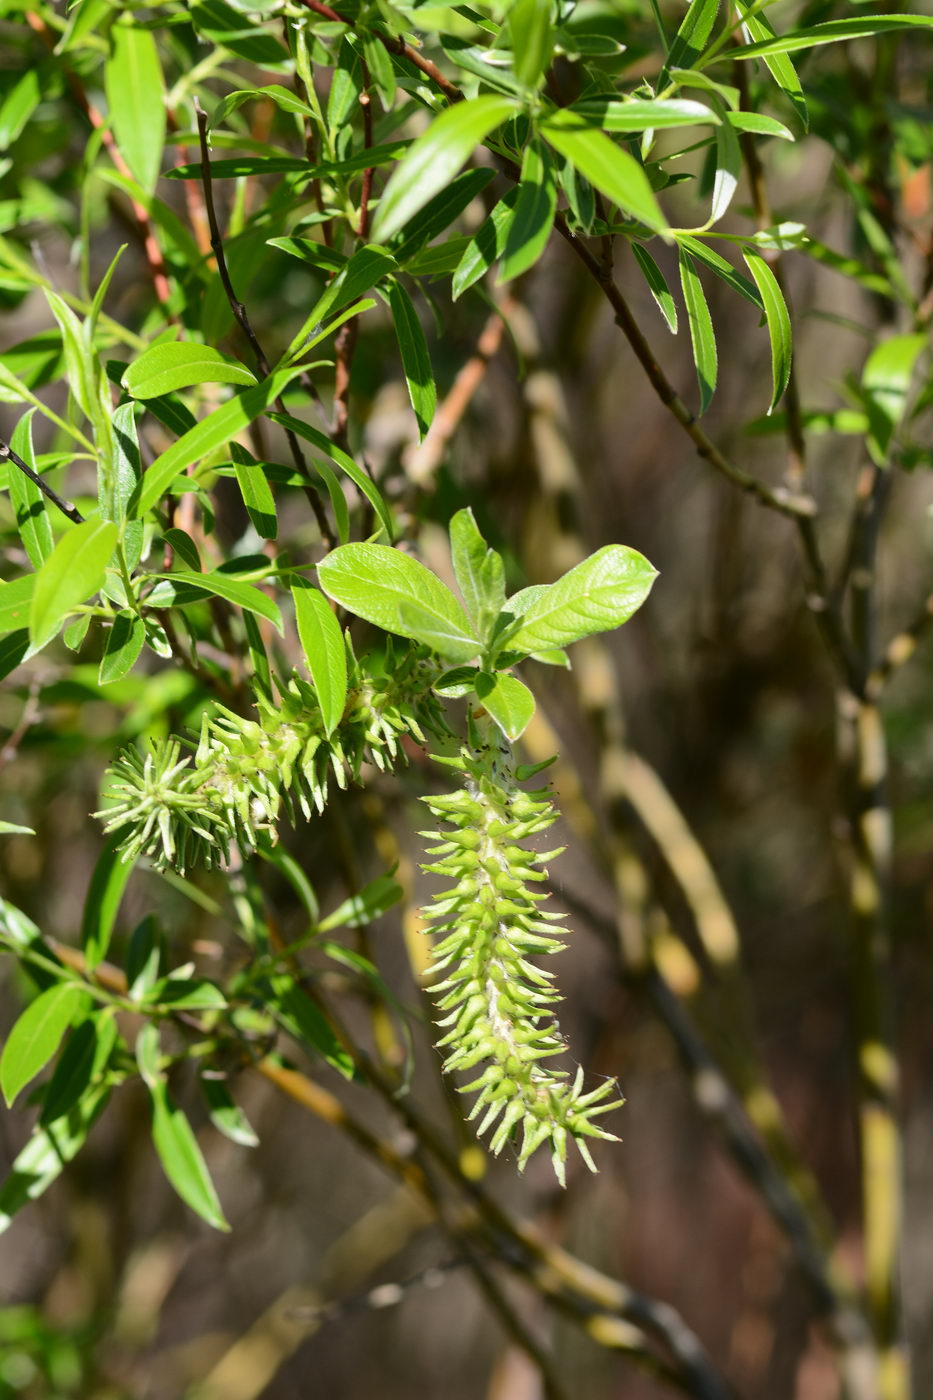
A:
(67, 509)
(241, 317)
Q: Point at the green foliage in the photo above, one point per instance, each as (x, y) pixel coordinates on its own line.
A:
(454, 144)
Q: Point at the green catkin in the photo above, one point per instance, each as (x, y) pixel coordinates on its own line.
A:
(187, 811)
(496, 1005)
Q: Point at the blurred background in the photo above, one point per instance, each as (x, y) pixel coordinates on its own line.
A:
(720, 687)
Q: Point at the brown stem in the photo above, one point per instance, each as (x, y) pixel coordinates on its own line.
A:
(8, 455)
(242, 319)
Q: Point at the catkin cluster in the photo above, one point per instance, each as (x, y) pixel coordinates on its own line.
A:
(184, 811)
(498, 1005)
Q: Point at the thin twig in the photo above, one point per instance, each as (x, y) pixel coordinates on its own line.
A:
(241, 317)
(395, 46)
(8, 455)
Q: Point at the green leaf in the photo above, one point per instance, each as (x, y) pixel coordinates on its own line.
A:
(35, 528)
(831, 32)
(73, 572)
(702, 335)
(657, 285)
(15, 600)
(479, 572)
(779, 66)
(222, 585)
(281, 96)
(779, 326)
(640, 114)
(36, 1036)
(256, 492)
(205, 437)
(597, 595)
(439, 213)
(723, 269)
(530, 229)
(416, 358)
(322, 643)
(885, 386)
(532, 33)
(486, 245)
(178, 365)
(509, 702)
(341, 459)
(759, 125)
(80, 1065)
(227, 1117)
(372, 157)
(185, 994)
(19, 103)
(135, 97)
(398, 594)
(301, 1017)
(181, 1157)
(46, 1154)
(612, 170)
(102, 902)
(692, 36)
(124, 643)
(363, 270)
(80, 364)
(435, 158)
(127, 473)
(362, 909)
(728, 165)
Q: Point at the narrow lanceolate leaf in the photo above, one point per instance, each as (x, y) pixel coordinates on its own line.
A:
(831, 32)
(322, 643)
(612, 170)
(641, 114)
(102, 902)
(597, 595)
(233, 590)
(127, 473)
(46, 1154)
(256, 492)
(657, 285)
(416, 359)
(532, 39)
(124, 643)
(36, 1036)
(179, 365)
(435, 158)
(365, 907)
(32, 519)
(73, 572)
(530, 229)
(205, 437)
(508, 700)
(692, 36)
(135, 97)
(728, 166)
(226, 1115)
(301, 1017)
(344, 461)
(702, 335)
(487, 244)
(779, 326)
(886, 381)
(15, 602)
(779, 65)
(181, 1157)
(398, 594)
